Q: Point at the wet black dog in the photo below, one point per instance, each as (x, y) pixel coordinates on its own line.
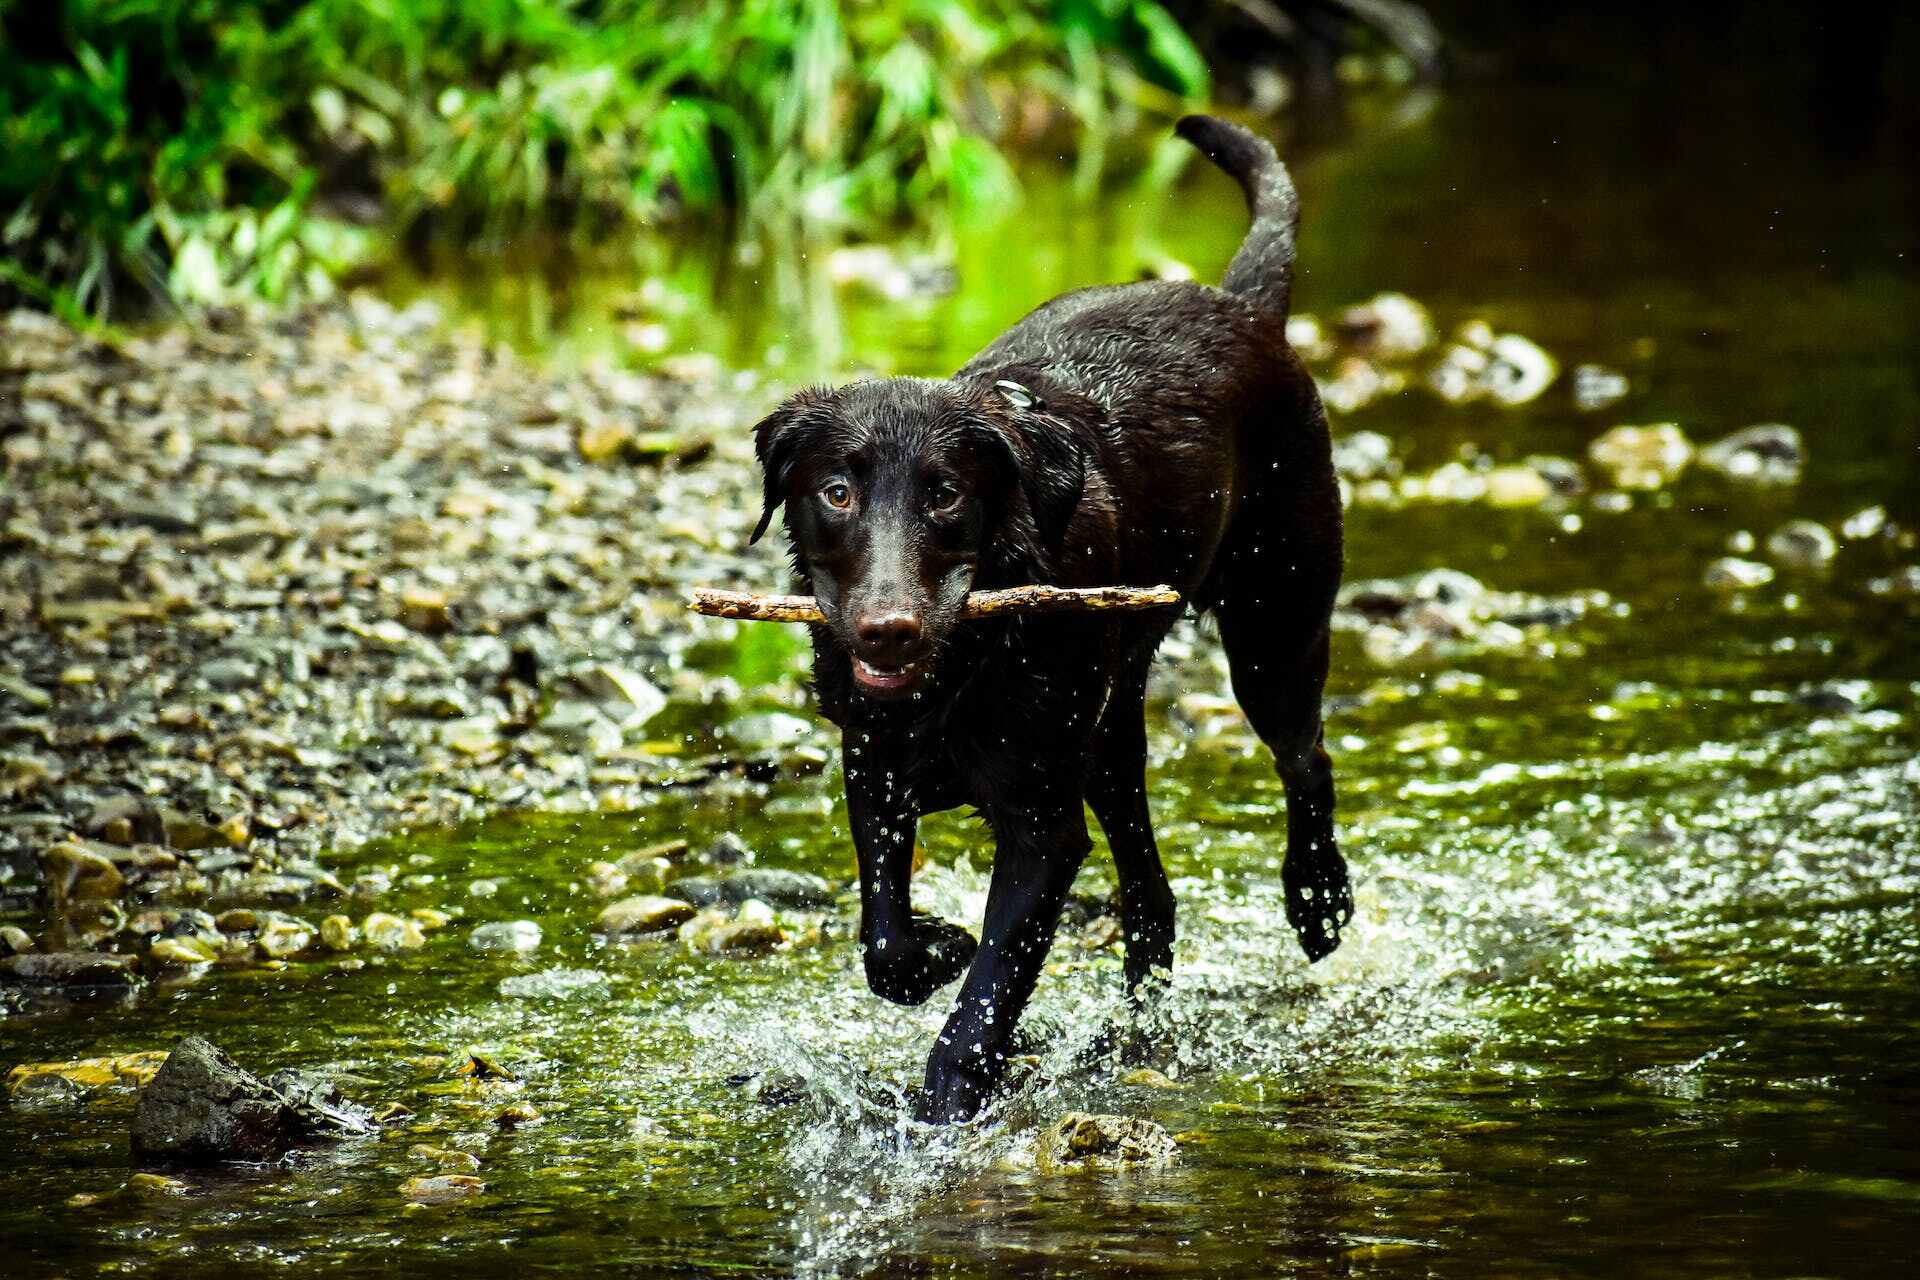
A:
(1137, 434)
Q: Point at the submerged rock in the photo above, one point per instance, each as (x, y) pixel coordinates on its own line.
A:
(1081, 1139)
(444, 1188)
(1643, 457)
(1769, 453)
(518, 936)
(793, 889)
(1596, 387)
(1390, 326)
(202, 1107)
(392, 933)
(70, 970)
(555, 984)
(1730, 573)
(1802, 544)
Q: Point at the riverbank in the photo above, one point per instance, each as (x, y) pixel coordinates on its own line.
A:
(287, 581)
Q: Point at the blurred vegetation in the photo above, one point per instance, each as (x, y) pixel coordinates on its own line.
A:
(206, 150)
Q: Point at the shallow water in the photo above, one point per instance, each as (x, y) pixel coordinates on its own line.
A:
(1634, 982)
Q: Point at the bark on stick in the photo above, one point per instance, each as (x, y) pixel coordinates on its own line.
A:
(748, 607)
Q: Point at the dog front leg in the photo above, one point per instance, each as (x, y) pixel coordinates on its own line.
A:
(908, 957)
(1037, 857)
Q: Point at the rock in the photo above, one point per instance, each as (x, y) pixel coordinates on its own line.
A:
(70, 970)
(202, 1107)
(1868, 522)
(1730, 573)
(181, 952)
(517, 936)
(444, 1188)
(153, 1184)
(430, 918)
(1563, 475)
(716, 935)
(133, 1069)
(444, 1157)
(1518, 370)
(391, 933)
(883, 271)
(1769, 453)
(337, 933)
(320, 1101)
(1596, 387)
(227, 675)
(555, 984)
(1083, 1140)
(728, 850)
(645, 913)
(14, 941)
(625, 697)
(1363, 455)
(573, 722)
(74, 873)
(1643, 457)
(426, 610)
(1390, 326)
(1802, 544)
(1147, 1077)
(1516, 487)
(281, 936)
(791, 889)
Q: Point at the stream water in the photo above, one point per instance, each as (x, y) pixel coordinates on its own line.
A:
(1634, 982)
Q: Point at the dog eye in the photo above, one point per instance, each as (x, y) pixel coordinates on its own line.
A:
(838, 496)
(941, 494)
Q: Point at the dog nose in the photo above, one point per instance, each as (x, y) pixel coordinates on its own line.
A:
(889, 636)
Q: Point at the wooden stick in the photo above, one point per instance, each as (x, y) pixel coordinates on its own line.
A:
(749, 607)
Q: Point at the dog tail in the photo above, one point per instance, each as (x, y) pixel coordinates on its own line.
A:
(1262, 270)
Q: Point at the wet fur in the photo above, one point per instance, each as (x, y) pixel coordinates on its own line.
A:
(1158, 432)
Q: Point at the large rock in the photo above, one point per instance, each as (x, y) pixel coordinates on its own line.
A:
(70, 970)
(1081, 1139)
(203, 1107)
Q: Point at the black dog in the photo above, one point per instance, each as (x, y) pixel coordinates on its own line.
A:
(1136, 434)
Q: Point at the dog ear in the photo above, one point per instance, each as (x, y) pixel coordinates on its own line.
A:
(777, 441)
(1044, 466)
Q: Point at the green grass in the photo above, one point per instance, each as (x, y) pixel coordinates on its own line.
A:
(203, 151)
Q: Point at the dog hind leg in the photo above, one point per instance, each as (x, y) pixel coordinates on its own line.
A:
(1274, 596)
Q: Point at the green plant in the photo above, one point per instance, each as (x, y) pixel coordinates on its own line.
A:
(204, 150)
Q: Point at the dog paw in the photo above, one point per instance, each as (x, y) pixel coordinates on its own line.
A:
(1319, 903)
(955, 1091)
(908, 970)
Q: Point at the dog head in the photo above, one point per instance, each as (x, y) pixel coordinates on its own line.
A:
(901, 494)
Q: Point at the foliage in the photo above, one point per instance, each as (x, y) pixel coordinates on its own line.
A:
(210, 149)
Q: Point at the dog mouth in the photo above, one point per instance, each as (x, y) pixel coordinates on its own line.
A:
(885, 681)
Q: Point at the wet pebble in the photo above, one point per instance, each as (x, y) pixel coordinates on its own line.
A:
(1802, 544)
(1643, 457)
(387, 932)
(644, 913)
(520, 937)
(1730, 573)
(1597, 387)
(1770, 453)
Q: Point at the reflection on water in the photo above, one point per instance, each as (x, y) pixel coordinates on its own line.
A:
(1634, 978)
